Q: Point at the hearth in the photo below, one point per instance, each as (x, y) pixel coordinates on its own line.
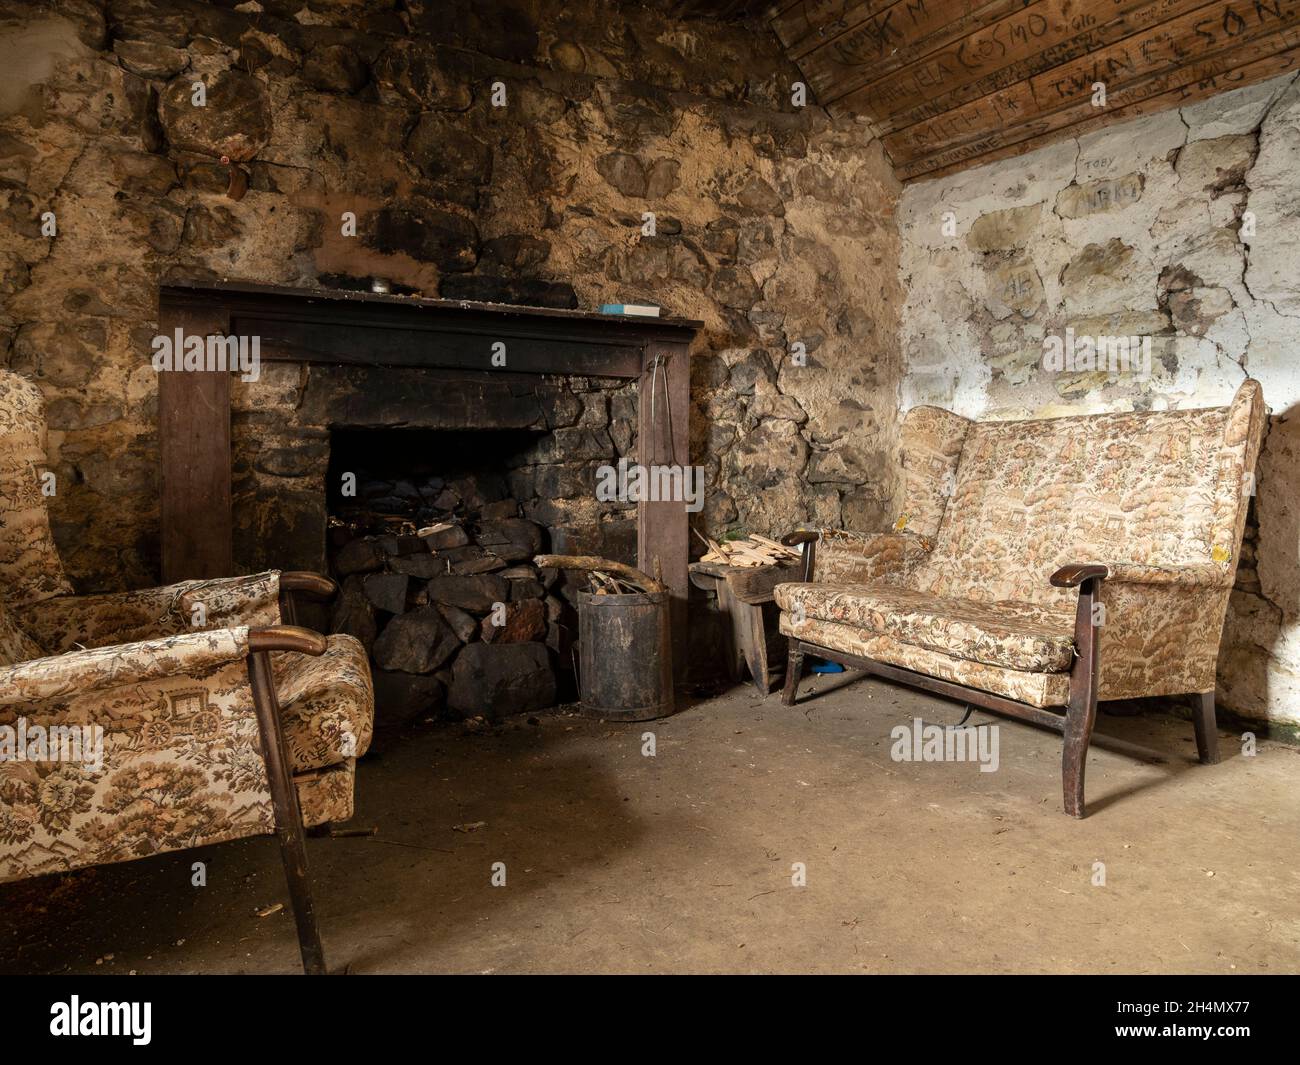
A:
(431, 535)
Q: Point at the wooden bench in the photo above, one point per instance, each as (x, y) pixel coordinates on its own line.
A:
(742, 592)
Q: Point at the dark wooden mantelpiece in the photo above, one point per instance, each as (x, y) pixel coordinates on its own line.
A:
(324, 326)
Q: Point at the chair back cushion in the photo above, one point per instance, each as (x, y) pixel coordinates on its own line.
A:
(1160, 487)
(30, 568)
(930, 441)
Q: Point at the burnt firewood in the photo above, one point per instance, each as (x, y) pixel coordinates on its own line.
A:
(462, 623)
(354, 613)
(444, 536)
(499, 679)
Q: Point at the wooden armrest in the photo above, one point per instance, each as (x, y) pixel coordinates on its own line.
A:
(312, 584)
(808, 538)
(286, 638)
(1073, 574)
(801, 536)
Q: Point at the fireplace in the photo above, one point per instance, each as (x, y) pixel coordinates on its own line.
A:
(253, 469)
(381, 481)
(303, 435)
(431, 534)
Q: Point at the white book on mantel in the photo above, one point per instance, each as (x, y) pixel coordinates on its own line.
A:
(643, 310)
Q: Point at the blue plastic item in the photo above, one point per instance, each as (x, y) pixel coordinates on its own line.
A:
(820, 665)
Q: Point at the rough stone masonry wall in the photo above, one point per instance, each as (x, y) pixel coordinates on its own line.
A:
(1136, 230)
(774, 224)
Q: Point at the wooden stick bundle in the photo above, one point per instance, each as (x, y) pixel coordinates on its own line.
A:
(607, 576)
(752, 551)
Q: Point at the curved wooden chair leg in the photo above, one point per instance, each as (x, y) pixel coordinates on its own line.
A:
(1078, 736)
(1207, 728)
(793, 667)
(288, 818)
(1081, 714)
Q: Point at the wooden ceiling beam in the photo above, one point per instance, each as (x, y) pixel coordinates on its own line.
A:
(718, 9)
(1134, 60)
(1202, 81)
(952, 83)
(808, 24)
(795, 21)
(895, 35)
(1041, 36)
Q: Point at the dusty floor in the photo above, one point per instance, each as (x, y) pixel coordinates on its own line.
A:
(618, 862)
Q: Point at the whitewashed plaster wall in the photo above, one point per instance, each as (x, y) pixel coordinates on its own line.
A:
(1136, 229)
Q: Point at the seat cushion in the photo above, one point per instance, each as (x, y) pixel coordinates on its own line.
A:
(1017, 636)
(327, 704)
(326, 795)
(1036, 689)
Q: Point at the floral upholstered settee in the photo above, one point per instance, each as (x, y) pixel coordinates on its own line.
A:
(215, 720)
(1046, 564)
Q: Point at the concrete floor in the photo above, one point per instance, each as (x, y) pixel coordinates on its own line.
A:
(617, 862)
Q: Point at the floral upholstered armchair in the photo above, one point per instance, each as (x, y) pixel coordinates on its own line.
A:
(1039, 566)
(209, 718)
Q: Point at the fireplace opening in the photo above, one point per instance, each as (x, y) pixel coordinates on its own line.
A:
(385, 479)
(426, 493)
(431, 535)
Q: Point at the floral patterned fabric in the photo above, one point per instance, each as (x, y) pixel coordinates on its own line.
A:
(182, 758)
(126, 617)
(15, 645)
(30, 568)
(1158, 639)
(1201, 575)
(326, 703)
(86, 672)
(327, 794)
(1037, 689)
(844, 557)
(1031, 496)
(1014, 635)
(931, 447)
(164, 673)
(931, 440)
(182, 763)
(1243, 436)
(1159, 498)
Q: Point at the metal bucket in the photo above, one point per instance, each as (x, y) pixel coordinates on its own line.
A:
(625, 668)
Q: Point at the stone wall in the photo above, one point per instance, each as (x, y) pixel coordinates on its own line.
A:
(774, 224)
(1183, 227)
